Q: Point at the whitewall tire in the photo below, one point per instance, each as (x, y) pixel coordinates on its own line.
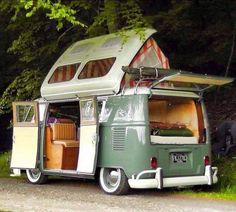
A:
(113, 181)
(35, 176)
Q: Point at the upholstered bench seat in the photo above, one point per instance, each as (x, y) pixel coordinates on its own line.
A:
(62, 148)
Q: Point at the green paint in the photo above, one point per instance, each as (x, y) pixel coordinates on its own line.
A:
(136, 151)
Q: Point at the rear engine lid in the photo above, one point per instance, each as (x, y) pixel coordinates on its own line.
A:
(178, 161)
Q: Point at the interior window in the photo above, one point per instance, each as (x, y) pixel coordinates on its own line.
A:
(96, 68)
(173, 117)
(64, 73)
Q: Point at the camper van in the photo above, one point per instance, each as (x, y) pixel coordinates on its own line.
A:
(115, 110)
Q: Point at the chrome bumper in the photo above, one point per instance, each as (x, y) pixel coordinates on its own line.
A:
(159, 182)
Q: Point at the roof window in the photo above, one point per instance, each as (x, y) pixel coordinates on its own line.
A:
(97, 68)
(64, 73)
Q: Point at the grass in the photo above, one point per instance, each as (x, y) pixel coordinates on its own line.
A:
(221, 194)
(5, 164)
(225, 189)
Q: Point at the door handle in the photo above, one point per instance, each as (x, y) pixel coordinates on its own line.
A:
(94, 139)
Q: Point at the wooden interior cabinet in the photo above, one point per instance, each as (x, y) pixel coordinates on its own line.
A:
(60, 154)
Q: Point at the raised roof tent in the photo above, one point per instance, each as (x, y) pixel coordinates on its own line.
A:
(93, 66)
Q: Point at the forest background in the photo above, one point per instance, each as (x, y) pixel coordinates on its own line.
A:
(196, 35)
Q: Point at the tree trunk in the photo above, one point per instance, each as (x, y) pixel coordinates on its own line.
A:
(231, 53)
(112, 8)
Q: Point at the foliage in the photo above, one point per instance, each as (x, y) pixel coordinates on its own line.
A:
(54, 10)
(39, 46)
(197, 34)
(118, 16)
(227, 173)
(4, 164)
(226, 186)
(24, 87)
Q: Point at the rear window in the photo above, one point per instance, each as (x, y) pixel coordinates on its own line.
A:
(97, 68)
(64, 73)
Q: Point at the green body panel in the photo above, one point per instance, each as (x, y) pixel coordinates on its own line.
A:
(125, 141)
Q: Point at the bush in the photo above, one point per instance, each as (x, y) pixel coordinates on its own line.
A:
(226, 173)
(4, 164)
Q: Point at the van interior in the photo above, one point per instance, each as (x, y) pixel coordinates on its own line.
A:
(62, 133)
(175, 120)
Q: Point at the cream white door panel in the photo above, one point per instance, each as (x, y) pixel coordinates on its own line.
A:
(24, 149)
(25, 135)
(88, 146)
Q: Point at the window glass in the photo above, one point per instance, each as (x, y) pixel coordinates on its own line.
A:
(88, 111)
(64, 73)
(25, 113)
(96, 68)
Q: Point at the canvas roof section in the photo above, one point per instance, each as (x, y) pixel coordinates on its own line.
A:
(81, 52)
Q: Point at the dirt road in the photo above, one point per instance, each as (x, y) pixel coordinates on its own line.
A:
(73, 195)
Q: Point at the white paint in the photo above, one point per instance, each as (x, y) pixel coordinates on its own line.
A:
(93, 86)
(16, 173)
(173, 140)
(210, 173)
(24, 149)
(88, 149)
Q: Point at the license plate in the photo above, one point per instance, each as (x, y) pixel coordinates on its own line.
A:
(179, 157)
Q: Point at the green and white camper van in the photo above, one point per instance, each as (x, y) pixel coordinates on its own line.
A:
(117, 109)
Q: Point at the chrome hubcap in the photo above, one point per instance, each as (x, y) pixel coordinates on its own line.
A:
(112, 178)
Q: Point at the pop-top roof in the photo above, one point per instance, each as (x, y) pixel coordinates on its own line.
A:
(118, 51)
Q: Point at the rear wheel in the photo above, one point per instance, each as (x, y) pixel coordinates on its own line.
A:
(113, 181)
(35, 176)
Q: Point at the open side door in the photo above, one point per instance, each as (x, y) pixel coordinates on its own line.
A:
(88, 136)
(25, 135)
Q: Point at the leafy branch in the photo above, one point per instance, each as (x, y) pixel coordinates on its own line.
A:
(57, 11)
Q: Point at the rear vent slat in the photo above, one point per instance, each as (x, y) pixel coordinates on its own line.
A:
(118, 138)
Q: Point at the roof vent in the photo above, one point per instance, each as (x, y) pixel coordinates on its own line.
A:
(111, 42)
(81, 48)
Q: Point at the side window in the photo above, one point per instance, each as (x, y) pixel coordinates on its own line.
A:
(25, 114)
(88, 111)
(96, 68)
(101, 110)
(64, 73)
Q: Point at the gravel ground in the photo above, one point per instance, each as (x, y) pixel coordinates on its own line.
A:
(78, 195)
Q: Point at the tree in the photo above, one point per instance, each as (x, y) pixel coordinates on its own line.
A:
(195, 35)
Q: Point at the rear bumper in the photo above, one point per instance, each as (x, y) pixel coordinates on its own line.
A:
(209, 178)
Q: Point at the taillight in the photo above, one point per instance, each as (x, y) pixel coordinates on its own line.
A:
(206, 160)
(153, 163)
